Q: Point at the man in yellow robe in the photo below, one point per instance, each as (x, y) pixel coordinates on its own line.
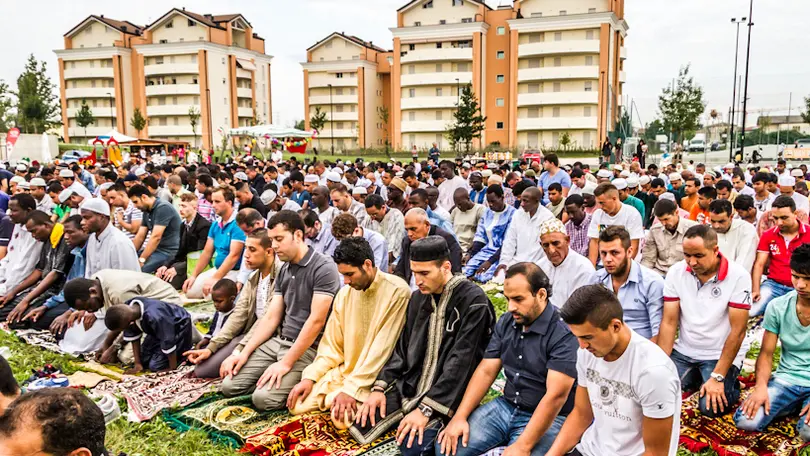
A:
(367, 318)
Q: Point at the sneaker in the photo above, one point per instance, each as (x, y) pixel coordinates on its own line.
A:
(42, 383)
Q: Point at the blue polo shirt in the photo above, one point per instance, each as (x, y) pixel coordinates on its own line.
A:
(223, 234)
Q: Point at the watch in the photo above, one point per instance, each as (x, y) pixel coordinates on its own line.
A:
(142, 260)
(426, 410)
(719, 378)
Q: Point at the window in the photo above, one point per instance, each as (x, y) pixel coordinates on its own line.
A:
(555, 139)
(176, 121)
(532, 139)
(563, 12)
(557, 61)
(171, 59)
(534, 88)
(92, 64)
(438, 45)
(411, 93)
(95, 103)
(439, 92)
(428, 4)
(339, 125)
(411, 69)
(411, 116)
(458, 2)
(537, 14)
(328, 45)
(588, 86)
(339, 91)
(411, 47)
(501, 30)
(586, 139)
(499, 102)
(439, 67)
(591, 10)
(557, 36)
(163, 122)
(500, 55)
(191, 23)
(196, 100)
(72, 65)
(164, 41)
(352, 91)
(417, 24)
(339, 58)
(93, 83)
(588, 60)
(557, 87)
(499, 125)
(586, 111)
(499, 79)
(534, 63)
(193, 58)
(589, 35)
(442, 22)
(534, 113)
(412, 140)
(170, 24)
(174, 101)
(339, 75)
(536, 38)
(555, 112)
(463, 67)
(438, 115)
(339, 108)
(464, 44)
(466, 20)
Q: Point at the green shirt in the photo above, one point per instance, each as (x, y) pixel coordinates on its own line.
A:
(782, 320)
(636, 203)
(61, 210)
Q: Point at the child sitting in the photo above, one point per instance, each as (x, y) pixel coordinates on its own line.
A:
(167, 328)
(224, 295)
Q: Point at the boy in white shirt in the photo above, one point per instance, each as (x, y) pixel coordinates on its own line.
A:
(612, 212)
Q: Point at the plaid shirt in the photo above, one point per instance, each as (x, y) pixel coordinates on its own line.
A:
(579, 235)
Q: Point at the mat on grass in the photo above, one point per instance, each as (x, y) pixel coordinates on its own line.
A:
(720, 434)
(314, 435)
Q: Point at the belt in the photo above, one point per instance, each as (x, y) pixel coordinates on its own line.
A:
(286, 339)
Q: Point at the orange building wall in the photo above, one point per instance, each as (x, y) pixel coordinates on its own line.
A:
(493, 68)
(361, 108)
(63, 99)
(205, 121)
(306, 100)
(396, 94)
(604, 77)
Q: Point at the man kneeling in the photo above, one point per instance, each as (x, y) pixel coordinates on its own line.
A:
(538, 393)
(362, 330)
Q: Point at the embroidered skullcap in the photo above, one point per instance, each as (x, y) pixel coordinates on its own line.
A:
(552, 226)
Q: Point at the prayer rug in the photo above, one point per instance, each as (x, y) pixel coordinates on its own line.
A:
(86, 379)
(147, 395)
(43, 339)
(314, 435)
(720, 434)
(229, 421)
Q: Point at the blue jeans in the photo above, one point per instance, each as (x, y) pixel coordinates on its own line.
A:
(499, 423)
(694, 373)
(429, 438)
(768, 291)
(785, 399)
(155, 261)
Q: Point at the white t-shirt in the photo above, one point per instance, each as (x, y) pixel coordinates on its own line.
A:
(802, 203)
(263, 292)
(642, 382)
(627, 217)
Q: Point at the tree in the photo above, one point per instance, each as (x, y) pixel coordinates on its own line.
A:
(565, 140)
(300, 125)
(6, 108)
(469, 122)
(384, 114)
(682, 107)
(763, 122)
(37, 106)
(653, 129)
(255, 119)
(85, 117)
(624, 128)
(318, 119)
(138, 122)
(806, 112)
(194, 120)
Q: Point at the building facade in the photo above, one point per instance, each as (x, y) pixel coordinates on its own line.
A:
(540, 69)
(182, 67)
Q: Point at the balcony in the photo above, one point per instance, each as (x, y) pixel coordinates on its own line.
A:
(556, 123)
(557, 98)
(428, 102)
(559, 47)
(171, 68)
(336, 99)
(341, 116)
(245, 112)
(91, 131)
(438, 55)
(623, 53)
(322, 80)
(171, 130)
(244, 92)
(88, 92)
(101, 111)
(567, 72)
(424, 126)
(168, 110)
(88, 73)
(449, 78)
(327, 133)
(172, 89)
(243, 74)
(622, 76)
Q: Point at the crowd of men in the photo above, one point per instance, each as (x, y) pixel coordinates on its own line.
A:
(352, 287)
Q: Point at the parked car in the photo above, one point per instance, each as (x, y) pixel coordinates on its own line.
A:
(697, 145)
(72, 156)
(715, 146)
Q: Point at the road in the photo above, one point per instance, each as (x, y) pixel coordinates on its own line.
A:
(715, 158)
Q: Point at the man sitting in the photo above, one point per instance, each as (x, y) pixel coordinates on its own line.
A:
(345, 225)
(419, 199)
(447, 330)
(746, 210)
(612, 212)
(318, 235)
(628, 397)
(161, 223)
(127, 217)
(23, 248)
(389, 223)
(343, 201)
(706, 303)
(417, 226)
(787, 391)
(736, 238)
(484, 256)
(520, 244)
(246, 198)
(640, 290)
(566, 269)
(107, 246)
(662, 248)
(700, 211)
(359, 337)
(193, 236)
(281, 345)
(538, 394)
(320, 205)
(465, 217)
(577, 225)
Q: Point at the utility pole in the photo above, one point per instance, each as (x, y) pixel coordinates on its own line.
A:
(790, 106)
(747, 67)
(734, 81)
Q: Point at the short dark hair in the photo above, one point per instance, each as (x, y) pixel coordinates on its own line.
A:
(497, 189)
(577, 172)
(800, 259)
(353, 251)
(705, 232)
(139, 191)
(296, 176)
(226, 285)
(343, 225)
(8, 384)
(603, 188)
(374, 200)
(577, 200)
(39, 218)
(118, 187)
(664, 207)
(720, 206)
(291, 221)
(227, 193)
(449, 163)
(744, 203)
(594, 304)
(118, 317)
(69, 420)
(74, 219)
(150, 182)
(657, 182)
(613, 232)
(553, 159)
(723, 184)
(25, 201)
(309, 216)
(55, 187)
(239, 186)
(693, 180)
(78, 288)
(263, 235)
(248, 216)
(761, 177)
(534, 275)
(420, 192)
(408, 173)
(783, 201)
(556, 187)
(708, 192)
(205, 179)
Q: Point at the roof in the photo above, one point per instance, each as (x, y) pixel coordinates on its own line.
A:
(122, 26)
(209, 20)
(412, 2)
(776, 120)
(352, 38)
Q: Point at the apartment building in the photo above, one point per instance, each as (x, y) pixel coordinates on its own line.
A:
(182, 64)
(348, 80)
(540, 69)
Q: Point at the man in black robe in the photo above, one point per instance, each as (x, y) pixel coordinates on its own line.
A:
(447, 329)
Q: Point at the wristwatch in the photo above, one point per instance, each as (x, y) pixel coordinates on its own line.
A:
(717, 377)
(142, 260)
(426, 410)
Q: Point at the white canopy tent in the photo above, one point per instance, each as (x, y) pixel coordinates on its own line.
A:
(119, 137)
(271, 131)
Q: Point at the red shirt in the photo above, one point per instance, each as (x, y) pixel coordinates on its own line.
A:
(773, 242)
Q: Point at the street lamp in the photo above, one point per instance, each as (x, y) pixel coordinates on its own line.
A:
(112, 116)
(458, 105)
(747, 66)
(332, 118)
(734, 84)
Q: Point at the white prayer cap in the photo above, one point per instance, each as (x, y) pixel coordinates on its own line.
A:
(552, 225)
(22, 167)
(139, 172)
(338, 170)
(65, 194)
(787, 181)
(268, 197)
(667, 196)
(620, 184)
(589, 188)
(617, 167)
(333, 176)
(105, 186)
(625, 174)
(644, 180)
(310, 179)
(495, 179)
(25, 185)
(486, 173)
(751, 166)
(797, 172)
(675, 177)
(729, 166)
(359, 190)
(18, 179)
(604, 174)
(97, 205)
(66, 173)
(38, 182)
(241, 176)
(632, 182)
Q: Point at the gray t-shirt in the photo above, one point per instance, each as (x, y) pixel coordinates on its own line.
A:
(163, 214)
(297, 283)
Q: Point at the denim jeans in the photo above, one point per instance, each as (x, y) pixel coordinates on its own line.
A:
(155, 261)
(785, 399)
(694, 373)
(429, 439)
(768, 291)
(499, 423)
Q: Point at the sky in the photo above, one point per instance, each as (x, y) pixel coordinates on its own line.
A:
(663, 36)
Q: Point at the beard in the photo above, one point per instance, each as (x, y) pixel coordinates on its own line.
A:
(622, 268)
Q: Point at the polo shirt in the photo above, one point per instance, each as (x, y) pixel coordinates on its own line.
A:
(163, 214)
(529, 353)
(704, 324)
(223, 234)
(773, 243)
(546, 179)
(298, 282)
(642, 298)
(636, 203)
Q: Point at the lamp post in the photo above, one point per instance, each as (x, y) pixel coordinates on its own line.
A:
(332, 118)
(112, 116)
(747, 66)
(458, 107)
(734, 85)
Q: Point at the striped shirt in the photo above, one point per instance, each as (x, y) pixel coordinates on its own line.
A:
(131, 213)
(205, 209)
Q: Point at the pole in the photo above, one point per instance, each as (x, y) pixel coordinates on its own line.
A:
(739, 104)
(458, 108)
(734, 81)
(210, 126)
(332, 118)
(747, 67)
(790, 106)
